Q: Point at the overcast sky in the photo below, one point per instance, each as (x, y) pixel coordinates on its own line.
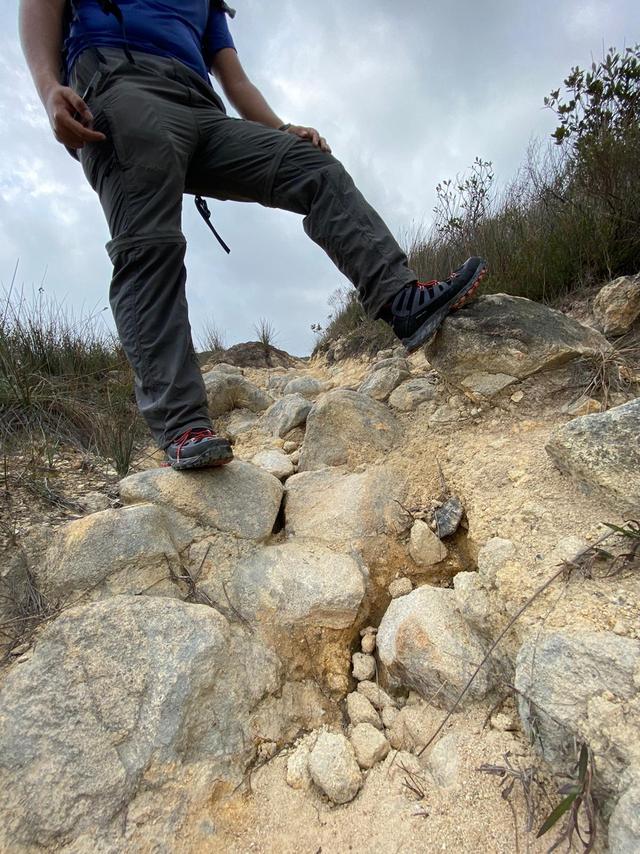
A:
(407, 93)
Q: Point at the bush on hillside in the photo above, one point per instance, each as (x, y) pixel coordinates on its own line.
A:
(569, 218)
(349, 323)
(572, 214)
(63, 379)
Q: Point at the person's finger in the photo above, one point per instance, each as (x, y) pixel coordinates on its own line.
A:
(78, 106)
(68, 127)
(324, 145)
(315, 137)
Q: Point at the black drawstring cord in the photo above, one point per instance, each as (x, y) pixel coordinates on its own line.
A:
(109, 7)
(205, 213)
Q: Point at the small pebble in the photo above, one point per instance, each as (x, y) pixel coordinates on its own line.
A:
(369, 744)
(389, 716)
(370, 630)
(361, 711)
(364, 666)
(368, 644)
(400, 587)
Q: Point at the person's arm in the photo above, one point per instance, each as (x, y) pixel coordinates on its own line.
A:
(249, 101)
(41, 37)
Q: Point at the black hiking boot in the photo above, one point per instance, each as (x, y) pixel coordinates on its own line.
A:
(198, 448)
(418, 310)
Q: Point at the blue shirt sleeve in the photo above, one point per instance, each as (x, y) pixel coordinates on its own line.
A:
(216, 35)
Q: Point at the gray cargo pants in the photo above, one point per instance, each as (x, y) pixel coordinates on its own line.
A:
(167, 134)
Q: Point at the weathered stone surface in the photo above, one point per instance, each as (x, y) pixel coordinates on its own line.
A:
(582, 406)
(443, 761)
(227, 391)
(296, 583)
(472, 600)
(378, 697)
(495, 554)
(582, 685)
(389, 716)
(624, 825)
(342, 508)
(361, 711)
(425, 644)
(285, 414)
(225, 368)
(391, 362)
(400, 587)
(369, 745)
(94, 502)
(500, 334)
(484, 384)
(368, 643)
(121, 697)
(131, 550)
(448, 517)
(603, 452)
(334, 768)
(240, 421)
(424, 546)
(306, 386)
(277, 382)
(274, 462)
(364, 667)
(254, 354)
(410, 394)
(381, 381)
(617, 306)
(346, 427)
(237, 498)
(298, 775)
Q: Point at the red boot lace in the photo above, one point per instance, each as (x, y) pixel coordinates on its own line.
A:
(429, 284)
(193, 433)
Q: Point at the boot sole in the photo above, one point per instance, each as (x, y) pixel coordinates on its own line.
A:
(431, 326)
(211, 458)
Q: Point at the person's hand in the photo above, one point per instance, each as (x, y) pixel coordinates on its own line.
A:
(70, 118)
(312, 135)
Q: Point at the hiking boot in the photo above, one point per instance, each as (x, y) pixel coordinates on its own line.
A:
(418, 310)
(198, 448)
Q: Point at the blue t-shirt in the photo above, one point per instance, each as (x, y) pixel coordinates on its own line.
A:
(190, 31)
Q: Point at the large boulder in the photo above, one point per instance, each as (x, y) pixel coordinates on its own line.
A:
(602, 452)
(624, 826)
(227, 391)
(344, 508)
(425, 644)
(380, 382)
(238, 498)
(501, 334)
(582, 685)
(411, 393)
(617, 306)
(347, 427)
(306, 386)
(131, 705)
(285, 414)
(131, 550)
(298, 584)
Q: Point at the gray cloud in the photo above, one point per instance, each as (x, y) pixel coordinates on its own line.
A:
(407, 93)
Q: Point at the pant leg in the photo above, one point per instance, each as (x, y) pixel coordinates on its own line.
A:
(139, 175)
(244, 160)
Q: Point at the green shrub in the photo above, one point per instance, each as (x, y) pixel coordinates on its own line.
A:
(572, 214)
(63, 379)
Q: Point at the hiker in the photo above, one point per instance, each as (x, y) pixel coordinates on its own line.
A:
(126, 87)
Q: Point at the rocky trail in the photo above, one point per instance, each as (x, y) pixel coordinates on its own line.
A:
(262, 657)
